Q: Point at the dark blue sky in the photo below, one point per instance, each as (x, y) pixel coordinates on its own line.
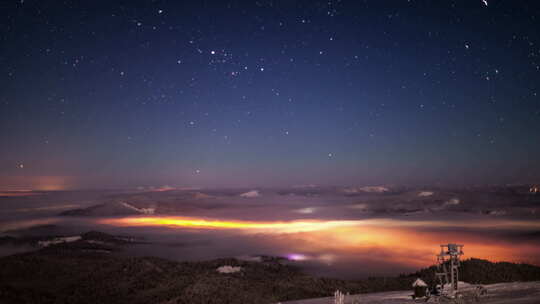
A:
(268, 93)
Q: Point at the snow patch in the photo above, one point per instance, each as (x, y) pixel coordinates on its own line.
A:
(461, 285)
(125, 239)
(95, 242)
(452, 201)
(140, 210)
(425, 193)
(419, 282)
(251, 194)
(369, 189)
(228, 269)
(497, 212)
(59, 240)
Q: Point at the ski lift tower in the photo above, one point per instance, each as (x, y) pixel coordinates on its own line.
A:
(448, 263)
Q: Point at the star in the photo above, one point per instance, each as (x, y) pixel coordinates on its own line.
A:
(318, 83)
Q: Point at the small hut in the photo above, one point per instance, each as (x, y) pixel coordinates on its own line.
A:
(420, 289)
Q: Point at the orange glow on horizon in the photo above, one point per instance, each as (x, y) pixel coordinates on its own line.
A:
(36, 183)
(19, 193)
(177, 222)
(401, 241)
(308, 224)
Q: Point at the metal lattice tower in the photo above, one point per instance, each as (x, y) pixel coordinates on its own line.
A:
(448, 263)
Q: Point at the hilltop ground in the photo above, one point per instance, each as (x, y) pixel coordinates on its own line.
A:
(92, 269)
(501, 293)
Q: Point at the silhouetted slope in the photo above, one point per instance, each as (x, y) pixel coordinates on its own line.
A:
(79, 273)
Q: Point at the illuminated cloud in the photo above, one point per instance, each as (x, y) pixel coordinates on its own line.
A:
(361, 206)
(366, 189)
(46, 208)
(247, 226)
(43, 183)
(16, 225)
(297, 257)
(307, 225)
(327, 258)
(250, 194)
(308, 210)
(200, 195)
(19, 193)
(164, 188)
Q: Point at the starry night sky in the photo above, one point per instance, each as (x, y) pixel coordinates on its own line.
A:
(268, 93)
